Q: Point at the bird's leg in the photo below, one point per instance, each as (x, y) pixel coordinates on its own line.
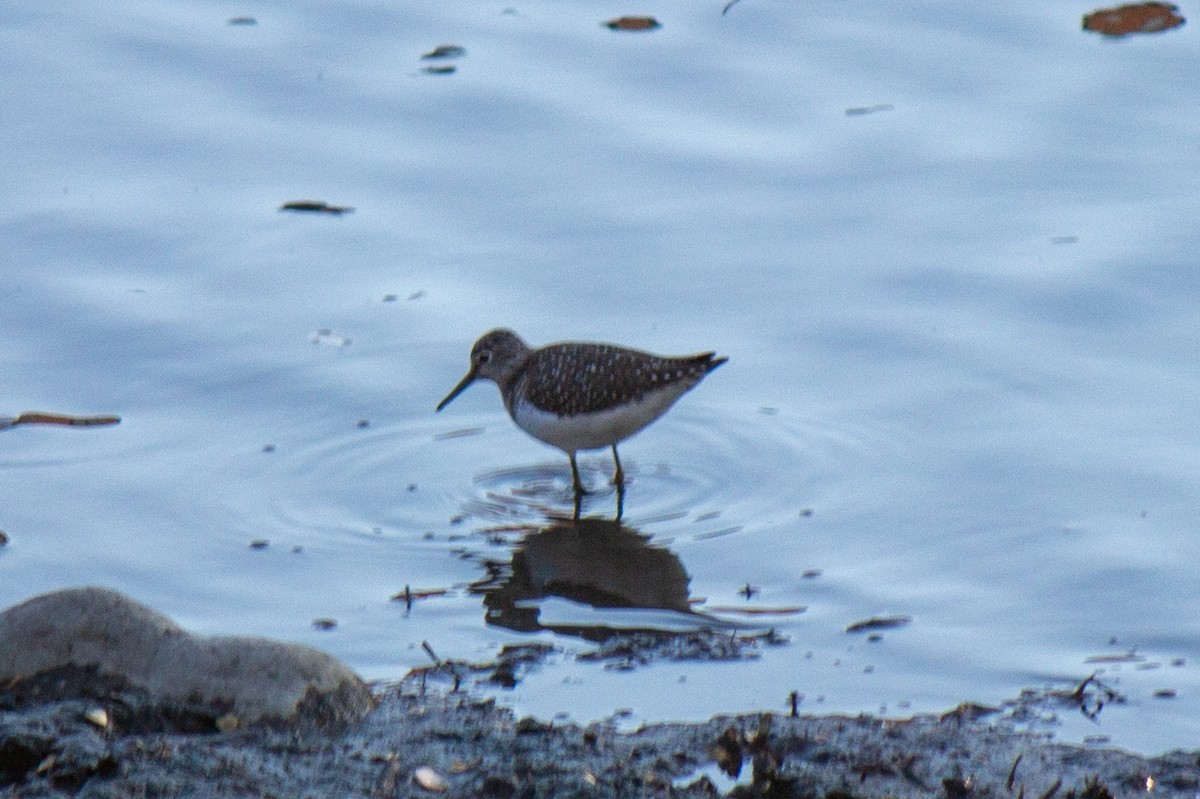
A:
(619, 477)
(575, 476)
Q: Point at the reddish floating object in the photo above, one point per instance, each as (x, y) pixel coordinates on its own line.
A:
(40, 417)
(633, 24)
(1134, 18)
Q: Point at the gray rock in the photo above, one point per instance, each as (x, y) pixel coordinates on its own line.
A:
(92, 641)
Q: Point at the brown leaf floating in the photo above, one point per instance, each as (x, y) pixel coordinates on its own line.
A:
(1133, 18)
(633, 24)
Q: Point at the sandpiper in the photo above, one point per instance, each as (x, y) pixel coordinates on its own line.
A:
(582, 395)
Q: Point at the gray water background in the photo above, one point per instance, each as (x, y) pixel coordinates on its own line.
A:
(950, 251)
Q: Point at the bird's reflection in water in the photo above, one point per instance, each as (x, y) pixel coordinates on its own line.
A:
(596, 562)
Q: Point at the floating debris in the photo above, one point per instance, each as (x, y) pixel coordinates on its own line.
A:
(268, 447)
(324, 624)
(792, 610)
(316, 207)
(633, 24)
(41, 417)
(719, 533)
(416, 295)
(1090, 696)
(430, 780)
(390, 297)
(437, 661)
(442, 69)
(1064, 239)
(1133, 18)
(460, 433)
(630, 650)
(260, 543)
(879, 623)
(3, 538)
(445, 51)
(407, 596)
(242, 21)
(1165, 693)
(867, 109)
(1122, 657)
(328, 337)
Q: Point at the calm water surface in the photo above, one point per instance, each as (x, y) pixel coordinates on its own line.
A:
(962, 331)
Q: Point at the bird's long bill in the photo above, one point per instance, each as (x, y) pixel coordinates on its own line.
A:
(460, 388)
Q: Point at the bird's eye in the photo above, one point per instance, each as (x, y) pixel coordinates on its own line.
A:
(484, 356)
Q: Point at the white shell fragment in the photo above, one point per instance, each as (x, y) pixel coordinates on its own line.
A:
(430, 780)
(97, 716)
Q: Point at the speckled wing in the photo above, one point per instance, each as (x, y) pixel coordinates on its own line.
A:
(571, 379)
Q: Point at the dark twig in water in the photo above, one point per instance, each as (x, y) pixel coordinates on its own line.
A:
(1012, 773)
(728, 6)
(1091, 702)
(1053, 789)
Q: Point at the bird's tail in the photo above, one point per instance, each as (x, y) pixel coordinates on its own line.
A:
(711, 361)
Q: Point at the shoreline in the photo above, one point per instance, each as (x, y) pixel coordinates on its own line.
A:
(459, 745)
(102, 697)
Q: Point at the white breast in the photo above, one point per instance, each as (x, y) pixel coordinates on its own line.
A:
(595, 430)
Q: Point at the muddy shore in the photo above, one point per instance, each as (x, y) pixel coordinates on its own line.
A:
(459, 745)
(102, 697)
